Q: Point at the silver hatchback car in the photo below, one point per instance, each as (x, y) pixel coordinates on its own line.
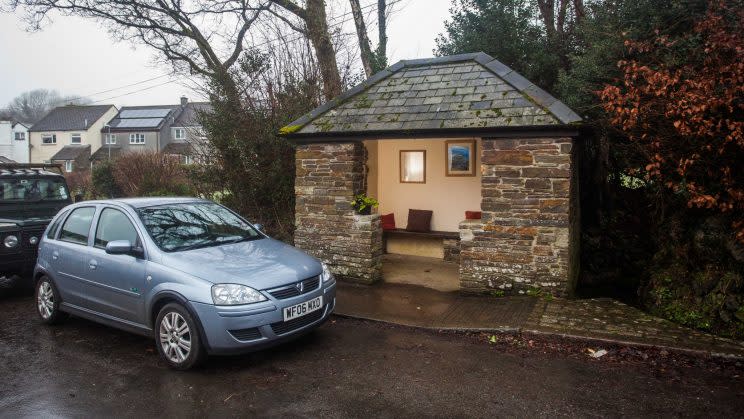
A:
(188, 272)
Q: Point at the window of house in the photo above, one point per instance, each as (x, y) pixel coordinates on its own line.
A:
(110, 138)
(180, 134)
(20, 136)
(68, 166)
(75, 139)
(49, 139)
(188, 160)
(137, 138)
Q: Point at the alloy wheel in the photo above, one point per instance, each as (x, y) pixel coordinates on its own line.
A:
(175, 337)
(45, 300)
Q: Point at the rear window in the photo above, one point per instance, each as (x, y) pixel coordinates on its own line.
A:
(77, 226)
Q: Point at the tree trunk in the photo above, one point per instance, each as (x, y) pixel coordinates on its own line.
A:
(547, 12)
(556, 29)
(365, 50)
(317, 31)
(579, 10)
(382, 33)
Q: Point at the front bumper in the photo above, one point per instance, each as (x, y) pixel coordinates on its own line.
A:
(240, 329)
(17, 265)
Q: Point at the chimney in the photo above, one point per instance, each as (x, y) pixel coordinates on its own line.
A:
(184, 100)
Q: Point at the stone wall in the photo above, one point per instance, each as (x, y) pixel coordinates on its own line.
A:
(327, 178)
(521, 245)
(451, 250)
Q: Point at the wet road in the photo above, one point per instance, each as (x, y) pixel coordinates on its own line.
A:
(347, 368)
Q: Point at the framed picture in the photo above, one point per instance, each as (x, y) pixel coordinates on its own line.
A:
(460, 155)
(413, 166)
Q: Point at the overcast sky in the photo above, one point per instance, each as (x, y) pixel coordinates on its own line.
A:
(77, 57)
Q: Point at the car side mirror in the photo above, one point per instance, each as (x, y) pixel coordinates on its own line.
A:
(119, 247)
(259, 227)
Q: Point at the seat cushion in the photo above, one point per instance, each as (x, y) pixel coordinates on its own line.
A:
(388, 221)
(419, 220)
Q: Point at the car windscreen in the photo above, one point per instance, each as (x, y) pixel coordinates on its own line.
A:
(33, 189)
(185, 226)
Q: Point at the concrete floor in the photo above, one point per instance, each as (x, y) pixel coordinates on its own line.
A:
(417, 270)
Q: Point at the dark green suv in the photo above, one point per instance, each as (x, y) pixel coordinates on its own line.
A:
(30, 196)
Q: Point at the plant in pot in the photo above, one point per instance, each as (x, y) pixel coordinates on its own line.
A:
(363, 204)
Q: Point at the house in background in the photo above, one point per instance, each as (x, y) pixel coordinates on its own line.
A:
(14, 146)
(135, 128)
(187, 135)
(171, 129)
(69, 134)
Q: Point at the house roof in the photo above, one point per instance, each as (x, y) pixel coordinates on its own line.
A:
(4, 159)
(183, 149)
(71, 152)
(71, 118)
(103, 152)
(189, 116)
(142, 118)
(468, 92)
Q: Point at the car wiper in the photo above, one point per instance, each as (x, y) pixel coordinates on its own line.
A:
(195, 246)
(240, 239)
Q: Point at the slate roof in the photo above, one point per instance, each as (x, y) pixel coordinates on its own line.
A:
(459, 92)
(71, 152)
(70, 118)
(4, 159)
(189, 116)
(142, 118)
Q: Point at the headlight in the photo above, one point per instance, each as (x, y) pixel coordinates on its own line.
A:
(11, 241)
(235, 294)
(326, 275)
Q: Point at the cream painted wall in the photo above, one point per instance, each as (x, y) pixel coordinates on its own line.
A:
(447, 197)
(43, 152)
(372, 162)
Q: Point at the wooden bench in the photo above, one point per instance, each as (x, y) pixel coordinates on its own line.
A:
(429, 234)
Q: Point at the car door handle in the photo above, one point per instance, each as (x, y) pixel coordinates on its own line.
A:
(93, 265)
(55, 255)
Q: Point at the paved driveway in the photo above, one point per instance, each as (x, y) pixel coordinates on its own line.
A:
(348, 368)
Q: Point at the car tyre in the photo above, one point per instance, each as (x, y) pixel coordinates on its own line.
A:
(178, 339)
(47, 301)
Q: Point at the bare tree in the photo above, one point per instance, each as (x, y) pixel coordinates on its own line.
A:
(31, 106)
(203, 37)
(372, 61)
(559, 22)
(314, 25)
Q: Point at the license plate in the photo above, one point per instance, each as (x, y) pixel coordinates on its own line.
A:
(299, 310)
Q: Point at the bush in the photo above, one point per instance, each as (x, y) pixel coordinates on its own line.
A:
(697, 277)
(79, 184)
(150, 173)
(104, 183)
